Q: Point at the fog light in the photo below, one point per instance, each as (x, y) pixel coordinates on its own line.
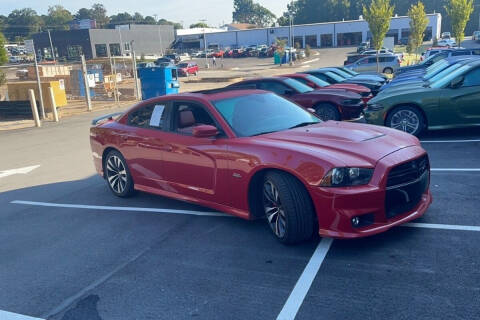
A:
(355, 221)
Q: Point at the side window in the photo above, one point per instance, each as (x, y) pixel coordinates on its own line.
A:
(151, 116)
(303, 80)
(476, 52)
(472, 78)
(321, 76)
(187, 116)
(372, 60)
(274, 86)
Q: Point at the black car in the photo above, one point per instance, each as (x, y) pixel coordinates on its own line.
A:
(164, 60)
(333, 78)
(175, 57)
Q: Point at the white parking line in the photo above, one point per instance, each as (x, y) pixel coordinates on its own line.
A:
(295, 300)
(5, 315)
(456, 169)
(449, 141)
(89, 207)
(441, 226)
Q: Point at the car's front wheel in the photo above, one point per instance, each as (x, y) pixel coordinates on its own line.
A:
(288, 208)
(326, 111)
(406, 118)
(118, 175)
(388, 70)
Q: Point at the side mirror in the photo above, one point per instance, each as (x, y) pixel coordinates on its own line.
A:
(457, 82)
(205, 131)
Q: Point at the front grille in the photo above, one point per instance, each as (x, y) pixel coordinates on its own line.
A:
(405, 186)
(365, 94)
(408, 171)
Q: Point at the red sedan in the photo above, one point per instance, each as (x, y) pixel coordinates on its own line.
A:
(253, 154)
(331, 104)
(319, 84)
(187, 68)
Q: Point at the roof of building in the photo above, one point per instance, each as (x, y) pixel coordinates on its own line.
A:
(241, 26)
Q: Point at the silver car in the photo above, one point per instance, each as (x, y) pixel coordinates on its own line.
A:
(387, 63)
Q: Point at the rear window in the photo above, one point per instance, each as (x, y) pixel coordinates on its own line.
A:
(183, 65)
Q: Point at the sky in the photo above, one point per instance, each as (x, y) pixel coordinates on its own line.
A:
(216, 12)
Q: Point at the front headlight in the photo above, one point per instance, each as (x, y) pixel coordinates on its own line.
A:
(343, 177)
(374, 107)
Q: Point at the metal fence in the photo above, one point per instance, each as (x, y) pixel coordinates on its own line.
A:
(96, 84)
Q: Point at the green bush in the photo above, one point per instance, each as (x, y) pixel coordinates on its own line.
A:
(308, 51)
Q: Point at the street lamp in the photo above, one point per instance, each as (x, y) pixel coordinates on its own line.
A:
(205, 44)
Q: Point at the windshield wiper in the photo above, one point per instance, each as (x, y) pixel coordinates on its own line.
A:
(260, 133)
(303, 124)
(426, 84)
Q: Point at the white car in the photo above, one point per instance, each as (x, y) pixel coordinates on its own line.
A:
(476, 36)
(446, 43)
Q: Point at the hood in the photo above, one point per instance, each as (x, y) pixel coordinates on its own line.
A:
(349, 86)
(335, 92)
(402, 87)
(370, 77)
(367, 83)
(349, 144)
(401, 91)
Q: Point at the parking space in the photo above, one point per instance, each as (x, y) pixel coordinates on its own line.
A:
(74, 251)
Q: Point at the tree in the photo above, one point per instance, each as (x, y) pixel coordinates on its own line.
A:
(246, 11)
(121, 18)
(21, 23)
(149, 20)
(99, 14)
(418, 24)
(58, 18)
(199, 25)
(3, 58)
(175, 25)
(83, 13)
(378, 17)
(459, 12)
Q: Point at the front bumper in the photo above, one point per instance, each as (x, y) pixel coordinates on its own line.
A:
(352, 112)
(336, 207)
(375, 117)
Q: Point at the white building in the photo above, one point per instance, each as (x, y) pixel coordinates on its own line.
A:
(317, 35)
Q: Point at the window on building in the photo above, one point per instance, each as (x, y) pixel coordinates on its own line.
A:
(428, 34)
(126, 46)
(298, 42)
(74, 52)
(101, 50)
(115, 49)
(326, 40)
(349, 39)
(311, 40)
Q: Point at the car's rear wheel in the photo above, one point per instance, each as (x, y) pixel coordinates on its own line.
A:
(288, 208)
(406, 118)
(118, 175)
(388, 71)
(326, 111)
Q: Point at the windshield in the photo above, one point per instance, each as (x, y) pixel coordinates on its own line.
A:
(342, 73)
(335, 76)
(297, 85)
(317, 81)
(435, 68)
(445, 72)
(353, 73)
(183, 65)
(443, 81)
(261, 113)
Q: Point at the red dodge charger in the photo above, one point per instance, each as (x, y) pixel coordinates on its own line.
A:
(254, 154)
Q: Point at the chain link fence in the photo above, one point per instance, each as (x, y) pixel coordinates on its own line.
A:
(111, 82)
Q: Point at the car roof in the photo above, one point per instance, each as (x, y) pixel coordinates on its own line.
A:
(219, 94)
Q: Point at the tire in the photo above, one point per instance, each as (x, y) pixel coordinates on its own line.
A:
(288, 208)
(406, 118)
(117, 175)
(196, 73)
(388, 71)
(326, 111)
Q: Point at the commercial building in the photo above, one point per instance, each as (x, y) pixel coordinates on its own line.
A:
(97, 43)
(316, 35)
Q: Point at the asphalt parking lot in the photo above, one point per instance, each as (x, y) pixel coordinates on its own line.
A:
(71, 250)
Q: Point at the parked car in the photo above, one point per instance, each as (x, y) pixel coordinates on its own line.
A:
(419, 77)
(253, 154)
(175, 57)
(363, 46)
(451, 101)
(446, 35)
(476, 36)
(317, 84)
(187, 68)
(353, 57)
(446, 43)
(331, 104)
(350, 74)
(164, 60)
(334, 78)
(218, 53)
(387, 64)
(403, 41)
(145, 64)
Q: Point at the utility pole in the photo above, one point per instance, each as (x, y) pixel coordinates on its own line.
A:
(205, 44)
(51, 47)
(85, 83)
(39, 85)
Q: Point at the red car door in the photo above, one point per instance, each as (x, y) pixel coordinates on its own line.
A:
(195, 167)
(142, 144)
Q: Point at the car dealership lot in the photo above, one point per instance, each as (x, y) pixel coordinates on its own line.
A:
(69, 252)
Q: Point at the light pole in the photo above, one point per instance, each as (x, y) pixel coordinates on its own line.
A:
(51, 46)
(291, 42)
(205, 44)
